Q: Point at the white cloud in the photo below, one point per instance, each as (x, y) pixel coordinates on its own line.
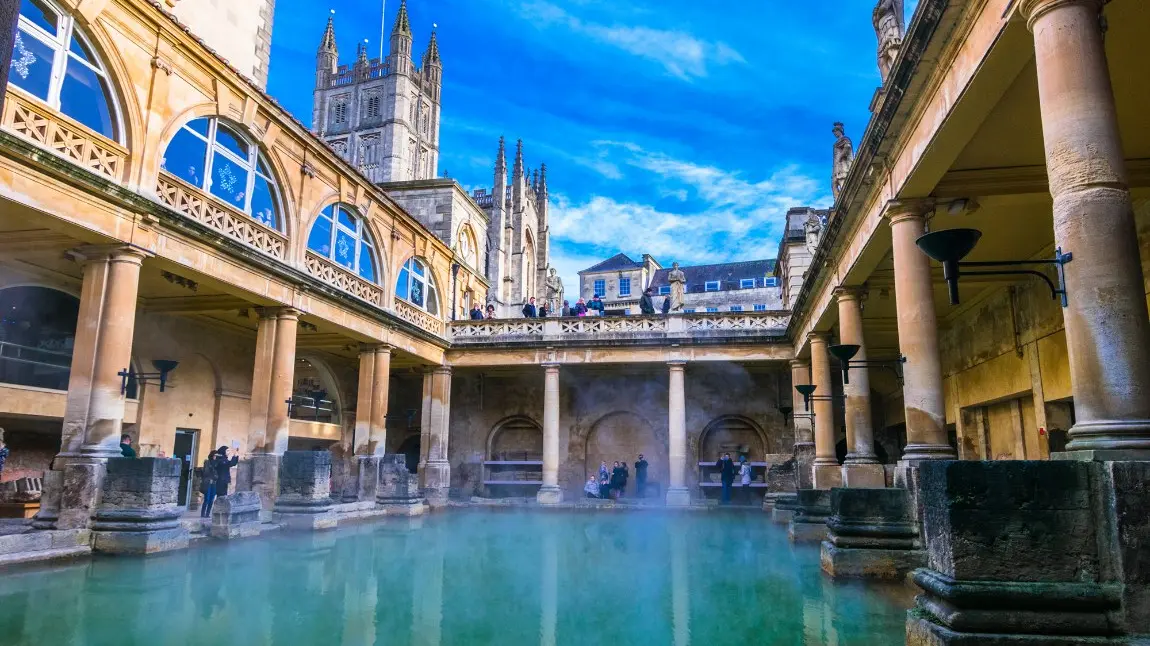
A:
(681, 54)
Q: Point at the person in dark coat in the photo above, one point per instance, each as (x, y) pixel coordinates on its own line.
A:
(646, 305)
(126, 449)
(208, 485)
(529, 310)
(626, 477)
(727, 476)
(543, 311)
(566, 310)
(641, 476)
(580, 308)
(476, 313)
(666, 306)
(596, 304)
(223, 468)
(618, 480)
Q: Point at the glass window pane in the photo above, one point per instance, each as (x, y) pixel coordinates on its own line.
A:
(319, 240)
(200, 126)
(229, 181)
(417, 266)
(344, 249)
(417, 292)
(401, 286)
(31, 68)
(231, 140)
(366, 263)
(432, 301)
(264, 206)
(345, 218)
(185, 158)
(85, 97)
(40, 15)
(80, 49)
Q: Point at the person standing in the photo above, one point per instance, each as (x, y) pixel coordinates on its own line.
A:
(126, 449)
(543, 311)
(726, 476)
(529, 310)
(646, 304)
(208, 485)
(476, 313)
(580, 308)
(566, 310)
(596, 305)
(626, 477)
(666, 306)
(641, 476)
(745, 479)
(3, 452)
(490, 312)
(617, 480)
(223, 467)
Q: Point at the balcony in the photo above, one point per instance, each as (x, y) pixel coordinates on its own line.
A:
(767, 327)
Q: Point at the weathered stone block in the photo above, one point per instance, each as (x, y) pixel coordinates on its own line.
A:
(871, 534)
(864, 476)
(139, 511)
(827, 476)
(1127, 537)
(49, 512)
(781, 483)
(79, 494)
(236, 515)
(804, 465)
(260, 473)
(784, 509)
(398, 490)
(809, 524)
(367, 477)
(304, 500)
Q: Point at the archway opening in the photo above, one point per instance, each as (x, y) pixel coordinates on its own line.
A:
(623, 437)
(37, 335)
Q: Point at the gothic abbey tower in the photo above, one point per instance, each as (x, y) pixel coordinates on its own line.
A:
(381, 115)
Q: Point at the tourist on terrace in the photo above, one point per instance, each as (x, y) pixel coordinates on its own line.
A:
(126, 449)
(626, 476)
(618, 480)
(745, 479)
(580, 308)
(646, 305)
(223, 467)
(641, 476)
(604, 488)
(490, 312)
(592, 487)
(3, 452)
(543, 311)
(596, 305)
(208, 485)
(529, 310)
(603, 472)
(476, 313)
(726, 476)
(566, 309)
(666, 306)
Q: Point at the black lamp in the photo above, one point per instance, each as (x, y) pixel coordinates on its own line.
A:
(844, 353)
(806, 390)
(163, 368)
(950, 246)
(786, 412)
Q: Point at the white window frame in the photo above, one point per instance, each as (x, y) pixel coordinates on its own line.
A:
(771, 281)
(595, 287)
(623, 281)
(718, 285)
(430, 291)
(746, 283)
(361, 235)
(664, 290)
(62, 56)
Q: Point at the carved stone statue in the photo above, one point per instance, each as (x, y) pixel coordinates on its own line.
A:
(554, 286)
(678, 282)
(888, 26)
(843, 156)
(813, 228)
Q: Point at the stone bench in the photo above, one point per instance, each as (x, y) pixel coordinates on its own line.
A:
(236, 515)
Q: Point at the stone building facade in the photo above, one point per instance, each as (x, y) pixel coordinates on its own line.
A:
(241, 32)
(747, 286)
(619, 281)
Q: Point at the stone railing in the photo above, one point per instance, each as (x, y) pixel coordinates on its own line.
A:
(214, 214)
(56, 133)
(418, 317)
(731, 325)
(338, 277)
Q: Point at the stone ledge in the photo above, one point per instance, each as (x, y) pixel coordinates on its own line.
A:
(148, 542)
(863, 563)
(920, 631)
(54, 554)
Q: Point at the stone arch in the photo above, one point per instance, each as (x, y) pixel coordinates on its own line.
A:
(623, 435)
(733, 434)
(39, 325)
(327, 380)
(515, 438)
(382, 268)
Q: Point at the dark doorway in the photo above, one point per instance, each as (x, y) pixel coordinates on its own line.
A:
(410, 451)
(185, 451)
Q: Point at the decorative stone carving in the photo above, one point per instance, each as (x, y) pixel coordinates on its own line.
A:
(554, 286)
(678, 281)
(843, 158)
(139, 511)
(398, 491)
(888, 27)
(236, 515)
(304, 500)
(813, 229)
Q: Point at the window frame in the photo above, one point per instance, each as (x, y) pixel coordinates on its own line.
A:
(717, 283)
(743, 283)
(626, 281)
(688, 310)
(255, 157)
(736, 308)
(771, 281)
(760, 307)
(712, 310)
(430, 291)
(362, 236)
(62, 57)
(595, 287)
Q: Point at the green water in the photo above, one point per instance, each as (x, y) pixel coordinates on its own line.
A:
(465, 577)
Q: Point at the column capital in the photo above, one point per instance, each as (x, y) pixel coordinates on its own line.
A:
(796, 364)
(442, 370)
(110, 253)
(375, 348)
(819, 337)
(1032, 10)
(551, 366)
(278, 313)
(677, 364)
(850, 293)
(899, 210)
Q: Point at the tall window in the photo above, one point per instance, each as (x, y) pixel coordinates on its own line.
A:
(624, 286)
(416, 287)
(339, 111)
(760, 308)
(746, 283)
(341, 236)
(53, 61)
(373, 105)
(600, 288)
(214, 156)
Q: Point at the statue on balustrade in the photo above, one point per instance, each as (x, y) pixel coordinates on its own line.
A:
(678, 281)
(889, 27)
(843, 157)
(554, 286)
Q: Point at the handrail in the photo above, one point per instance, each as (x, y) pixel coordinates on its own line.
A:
(6, 348)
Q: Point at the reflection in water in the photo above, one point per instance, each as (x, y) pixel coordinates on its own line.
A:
(465, 577)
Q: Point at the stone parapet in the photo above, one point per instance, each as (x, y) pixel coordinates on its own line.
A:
(871, 534)
(398, 492)
(304, 500)
(809, 524)
(139, 511)
(236, 515)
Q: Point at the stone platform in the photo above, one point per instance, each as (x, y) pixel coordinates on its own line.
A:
(138, 511)
(871, 534)
(812, 510)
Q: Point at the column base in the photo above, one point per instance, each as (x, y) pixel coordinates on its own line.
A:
(920, 452)
(1103, 455)
(435, 478)
(549, 495)
(784, 510)
(80, 493)
(49, 501)
(827, 476)
(863, 476)
(809, 524)
(871, 534)
(678, 497)
(863, 563)
(1117, 435)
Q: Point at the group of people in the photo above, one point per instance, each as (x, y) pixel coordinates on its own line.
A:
(728, 470)
(478, 315)
(580, 308)
(215, 477)
(612, 483)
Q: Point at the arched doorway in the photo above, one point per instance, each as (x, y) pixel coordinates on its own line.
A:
(37, 334)
(623, 436)
(410, 451)
(735, 435)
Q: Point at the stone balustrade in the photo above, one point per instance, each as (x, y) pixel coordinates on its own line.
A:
(732, 325)
(54, 132)
(333, 274)
(214, 214)
(418, 317)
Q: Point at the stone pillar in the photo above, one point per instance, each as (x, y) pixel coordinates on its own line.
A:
(549, 493)
(94, 408)
(370, 436)
(861, 467)
(1107, 327)
(922, 393)
(677, 494)
(871, 534)
(812, 509)
(826, 466)
(272, 387)
(435, 471)
(804, 427)
(138, 512)
(304, 500)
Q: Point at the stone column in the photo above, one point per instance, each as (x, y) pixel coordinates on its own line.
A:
(826, 467)
(435, 471)
(677, 494)
(922, 393)
(282, 382)
(861, 467)
(549, 493)
(381, 382)
(804, 427)
(1107, 327)
(272, 387)
(370, 436)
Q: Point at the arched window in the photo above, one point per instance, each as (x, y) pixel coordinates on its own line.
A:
(339, 235)
(214, 156)
(416, 286)
(466, 244)
(53, 61)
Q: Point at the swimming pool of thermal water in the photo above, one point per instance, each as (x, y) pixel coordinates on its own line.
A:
(465, 577)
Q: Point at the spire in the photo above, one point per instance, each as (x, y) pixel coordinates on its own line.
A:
(402, 24)
(501, 158)
(535, 179)
(432, 55)
(328, 43)
(517, 171)
(361, 54)
(543, 179)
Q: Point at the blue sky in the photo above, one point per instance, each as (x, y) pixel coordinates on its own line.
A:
(683, 129)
